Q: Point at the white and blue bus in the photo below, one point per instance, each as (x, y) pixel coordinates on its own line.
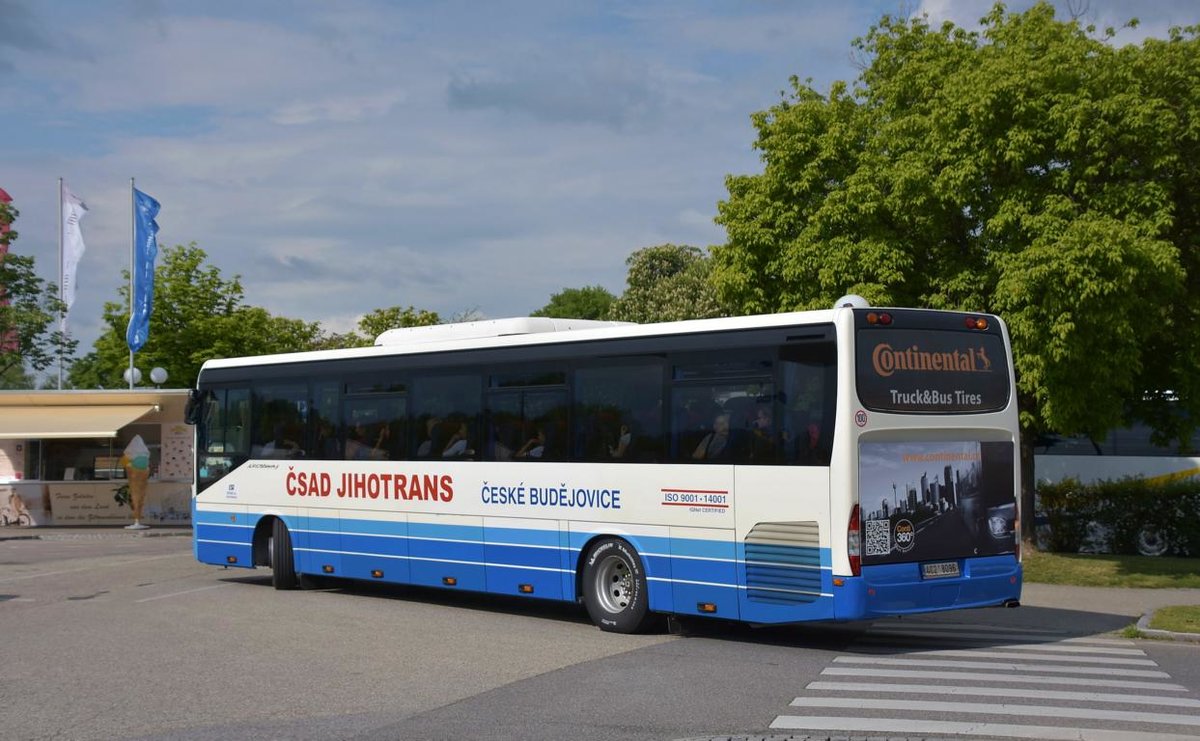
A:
(827, 465)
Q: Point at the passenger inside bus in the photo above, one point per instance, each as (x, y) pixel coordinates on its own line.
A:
(359, 445)
(624, 438)
(327, 444)
(505, 434)
(280, 446)
(802, 443)
(456, 446)
(716, 444)
(535, 447)
(425, 449)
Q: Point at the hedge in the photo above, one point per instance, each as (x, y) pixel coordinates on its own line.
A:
(1125, 516)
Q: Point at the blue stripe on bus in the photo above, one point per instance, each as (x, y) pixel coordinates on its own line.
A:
(209, 517)
(320, 541)
(518, 555)
(217, 552)
(225, 531)
(683, 574)
(715, 549)
(522, 536)
(367, 527)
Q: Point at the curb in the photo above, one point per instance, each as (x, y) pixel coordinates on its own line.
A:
(1143, 627)
(52, 534)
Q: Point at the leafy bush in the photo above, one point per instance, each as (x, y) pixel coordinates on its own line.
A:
(1129, 516)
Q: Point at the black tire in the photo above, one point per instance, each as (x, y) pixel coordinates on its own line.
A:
(283, 562)
(614, 587)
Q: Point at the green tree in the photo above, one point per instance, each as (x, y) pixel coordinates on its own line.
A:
(589, 302)
(30, 339)
(375, 323)
(197, 315)
(1032, 169)
(16, 378)
(667, 282)
(378, 321)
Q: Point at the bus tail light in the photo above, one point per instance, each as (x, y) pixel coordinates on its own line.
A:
(854, 542)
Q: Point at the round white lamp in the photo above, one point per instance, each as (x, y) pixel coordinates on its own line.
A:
(158, 376)
(851, 300)
(137, 376)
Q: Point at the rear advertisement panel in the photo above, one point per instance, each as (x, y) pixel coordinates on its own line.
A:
(926, 371)
(924, 501)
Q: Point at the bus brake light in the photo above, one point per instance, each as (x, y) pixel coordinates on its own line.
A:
(977, 322)
(854, 542)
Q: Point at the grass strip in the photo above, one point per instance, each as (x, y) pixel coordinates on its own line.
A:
(1105, 570)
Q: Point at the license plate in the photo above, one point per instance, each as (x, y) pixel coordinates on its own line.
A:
(939, 569)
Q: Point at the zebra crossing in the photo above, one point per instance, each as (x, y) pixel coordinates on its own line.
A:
(911, 678)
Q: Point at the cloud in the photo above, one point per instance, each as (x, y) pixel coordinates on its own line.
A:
(20, 29)
(19, 33)
(609, 91)
(339, 109)
(448, 156)
(962, 13)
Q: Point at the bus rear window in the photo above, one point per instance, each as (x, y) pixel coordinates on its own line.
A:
(931, 371)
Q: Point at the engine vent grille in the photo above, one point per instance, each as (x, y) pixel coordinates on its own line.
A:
(783, 562)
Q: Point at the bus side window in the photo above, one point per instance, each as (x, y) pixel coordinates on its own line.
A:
(693, 417)
(441, 406)
(375, 427)
(324, 443)
(280, 419)
(808, 397)
(618, 412)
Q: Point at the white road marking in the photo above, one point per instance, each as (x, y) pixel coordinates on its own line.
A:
(980, 708)
(915, 663)
(987, 677)
(902, 727)
(1033, 694)
(40, 574)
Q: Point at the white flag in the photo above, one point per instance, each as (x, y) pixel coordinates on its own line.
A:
(72, 243)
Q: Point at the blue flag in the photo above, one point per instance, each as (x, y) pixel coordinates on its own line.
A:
(145, 249)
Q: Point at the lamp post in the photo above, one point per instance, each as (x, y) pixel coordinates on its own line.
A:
(158, 376)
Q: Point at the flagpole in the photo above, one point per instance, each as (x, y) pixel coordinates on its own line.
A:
(62, 296)
(132, 253)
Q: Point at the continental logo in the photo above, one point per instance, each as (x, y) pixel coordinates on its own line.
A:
(887, 360)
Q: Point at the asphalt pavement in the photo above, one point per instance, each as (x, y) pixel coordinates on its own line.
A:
(1109, 605)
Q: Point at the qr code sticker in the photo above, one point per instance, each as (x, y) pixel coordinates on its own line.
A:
(879, 537)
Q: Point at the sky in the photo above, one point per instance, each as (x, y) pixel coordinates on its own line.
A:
(458, 157)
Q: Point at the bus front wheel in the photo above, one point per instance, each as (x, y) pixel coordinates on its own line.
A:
(614, 587)
(283, 563)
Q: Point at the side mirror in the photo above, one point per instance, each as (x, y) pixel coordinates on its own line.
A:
(197, 406)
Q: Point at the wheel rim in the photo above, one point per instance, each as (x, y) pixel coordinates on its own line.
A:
(614, 584)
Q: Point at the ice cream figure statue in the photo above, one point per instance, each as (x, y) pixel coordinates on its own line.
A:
(136, 461)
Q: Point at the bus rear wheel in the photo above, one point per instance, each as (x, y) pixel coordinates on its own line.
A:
(283, 562)
(614, 587)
